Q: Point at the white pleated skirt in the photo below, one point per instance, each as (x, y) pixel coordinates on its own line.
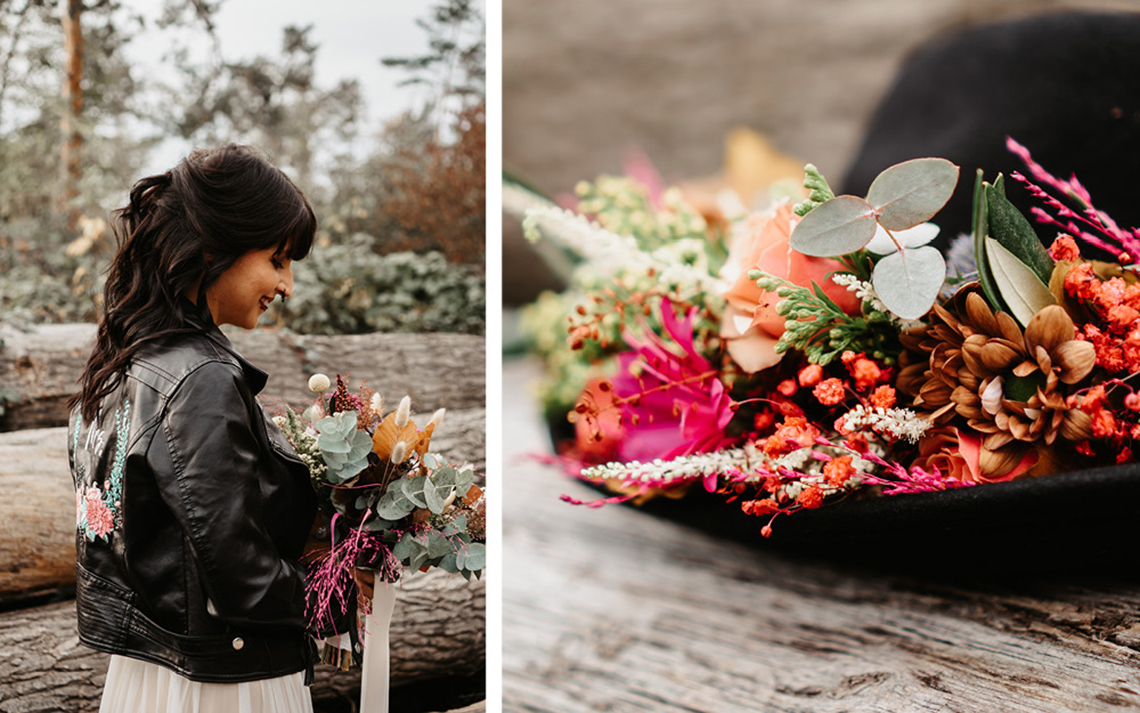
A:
(135, 686)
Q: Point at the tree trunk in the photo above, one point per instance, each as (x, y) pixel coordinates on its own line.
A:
(437, 631)
(43, 365)
(37, 514)
(71, 138)
(37, 503)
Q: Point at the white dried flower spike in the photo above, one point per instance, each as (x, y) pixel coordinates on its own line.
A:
(404, 412)
(319, 383)
(437, 418)
(398, 452)
(377, 404)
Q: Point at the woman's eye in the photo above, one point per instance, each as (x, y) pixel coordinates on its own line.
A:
(277, 264)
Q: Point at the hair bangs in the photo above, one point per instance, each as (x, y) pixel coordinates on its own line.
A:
(297, 238)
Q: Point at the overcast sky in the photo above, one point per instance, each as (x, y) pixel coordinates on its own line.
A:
(352, 36)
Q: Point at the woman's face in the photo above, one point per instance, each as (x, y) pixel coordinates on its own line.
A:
(247, 287)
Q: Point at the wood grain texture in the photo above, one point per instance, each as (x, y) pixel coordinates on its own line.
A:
(615, 610)
(43, 363)
(37, 501)
(437, 631)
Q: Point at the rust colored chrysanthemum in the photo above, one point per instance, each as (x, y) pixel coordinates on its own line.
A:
(1007, 385)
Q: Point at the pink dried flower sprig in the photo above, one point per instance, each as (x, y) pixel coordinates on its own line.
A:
(1111, 238)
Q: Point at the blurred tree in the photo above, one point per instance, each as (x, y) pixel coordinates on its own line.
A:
(273, 103)
(454, 67)
(439, 192)
(436, 188)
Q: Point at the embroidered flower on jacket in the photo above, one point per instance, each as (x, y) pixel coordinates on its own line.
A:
(100, 519)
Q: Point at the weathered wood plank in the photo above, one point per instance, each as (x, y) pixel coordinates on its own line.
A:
(37, 501)
(437, 631)
(616, 610)
(43, 363)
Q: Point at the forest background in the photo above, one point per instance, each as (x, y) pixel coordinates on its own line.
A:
(401, 205)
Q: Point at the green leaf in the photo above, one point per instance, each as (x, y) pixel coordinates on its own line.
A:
(841, 225)
(403, 549)
(1010, 228)
(911, 192)
(1020, 288)
(980, 226)
(413, 489)
(908, 281)
(438, 545)
(435, 496)
(448, 564)
(476, 556)
(1022, 388)
(393, 505)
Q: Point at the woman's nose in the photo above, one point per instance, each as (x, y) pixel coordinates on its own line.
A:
(285, 287)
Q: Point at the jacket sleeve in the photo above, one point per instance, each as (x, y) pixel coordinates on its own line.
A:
(211, 481)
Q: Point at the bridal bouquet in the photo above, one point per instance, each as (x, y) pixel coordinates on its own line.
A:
(392, 505)
(822, 349)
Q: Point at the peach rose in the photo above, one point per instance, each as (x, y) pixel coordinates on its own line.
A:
(957, 455)
(751, 326)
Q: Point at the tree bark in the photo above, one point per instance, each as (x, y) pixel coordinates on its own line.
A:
(44, 363)
(72, 139)
(437, 631)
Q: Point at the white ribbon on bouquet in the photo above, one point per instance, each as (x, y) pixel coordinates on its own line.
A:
(374, 670)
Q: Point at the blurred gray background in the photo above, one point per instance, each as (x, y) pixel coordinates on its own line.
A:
(583, 82)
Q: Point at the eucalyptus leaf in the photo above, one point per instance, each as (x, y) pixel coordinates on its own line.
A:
(393, 505)
(841, 225)
(911, 192)
(432, 461)
(438, 545)
(1021, 290)
(413, 489)
(1010, 228)
(448, 564)
(435, 497)
(403, 549)
(908, 281)
(445, 476)
(476, 556)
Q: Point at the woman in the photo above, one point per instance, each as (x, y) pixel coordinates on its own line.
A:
(192, 509)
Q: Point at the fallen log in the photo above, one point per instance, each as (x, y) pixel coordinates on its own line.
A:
(39, 367)
(437, 631)
(37, 501)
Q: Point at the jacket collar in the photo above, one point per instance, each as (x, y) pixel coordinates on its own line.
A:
(200, 317)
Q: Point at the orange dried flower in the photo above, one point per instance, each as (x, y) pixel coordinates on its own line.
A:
(829, 392)
(1103, 424)
(1082, 282)
(865, 372)
(1064, 248)
(759, 507)
(811, 375)
(837, 471)
(810, 497)
(787, 387)
(883, 397)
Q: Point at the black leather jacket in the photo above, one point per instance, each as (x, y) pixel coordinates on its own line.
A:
(192, 513)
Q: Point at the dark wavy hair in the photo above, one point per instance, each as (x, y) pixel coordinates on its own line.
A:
(189, 224)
